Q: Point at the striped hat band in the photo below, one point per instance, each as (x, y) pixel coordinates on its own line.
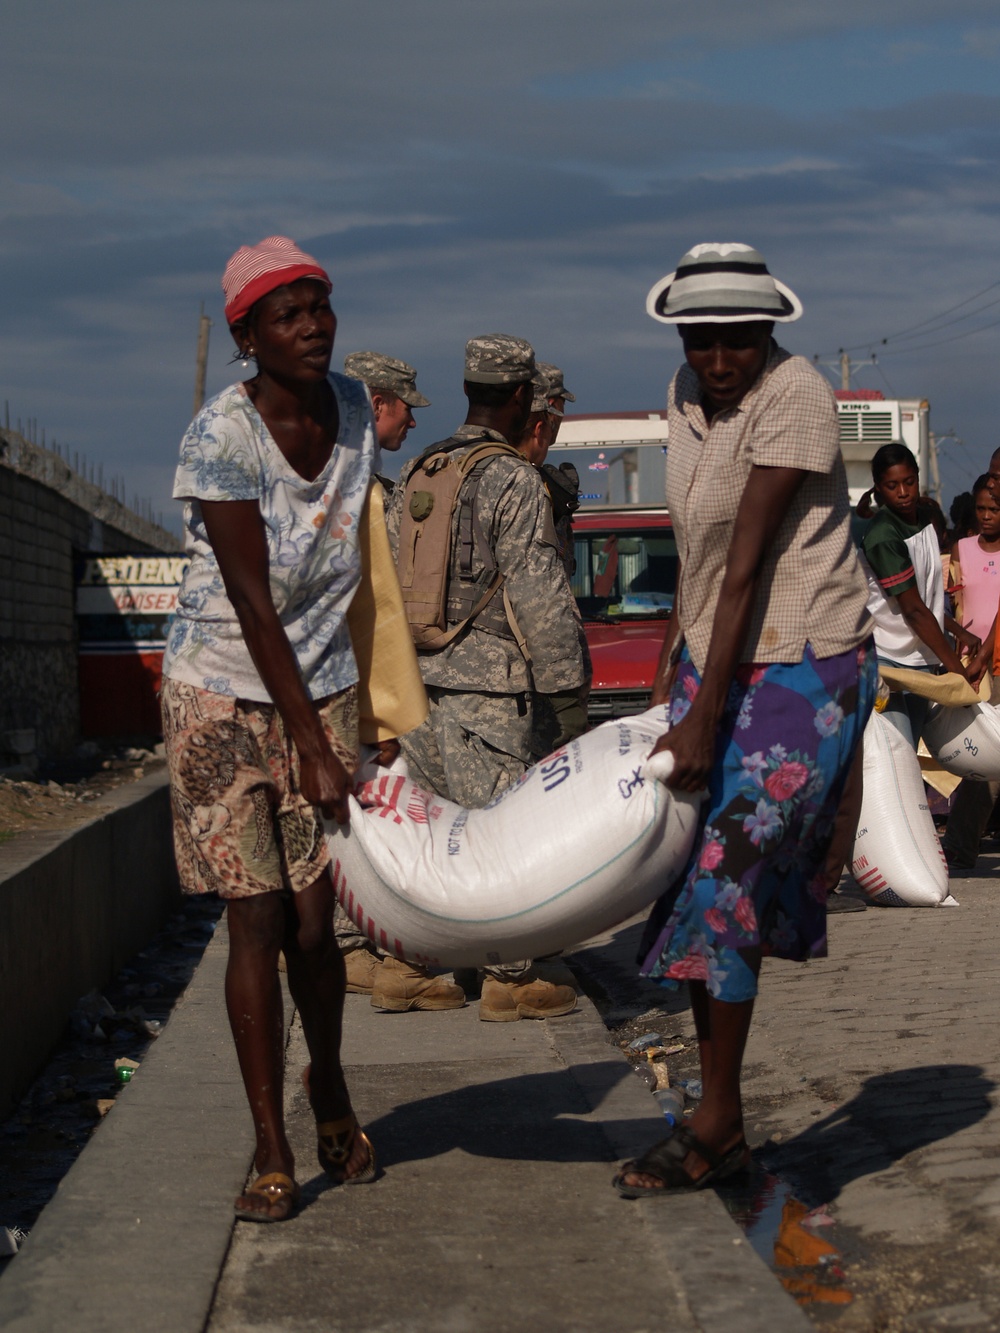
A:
(255, 270)
(721, 284)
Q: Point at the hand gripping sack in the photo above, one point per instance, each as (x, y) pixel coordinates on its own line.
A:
(966, 740)
(897, 857)
(584, 840)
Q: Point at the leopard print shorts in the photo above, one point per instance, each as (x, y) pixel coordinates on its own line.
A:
(241, 824)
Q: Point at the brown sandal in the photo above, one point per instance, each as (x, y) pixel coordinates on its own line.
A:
(665, 1162)
(334, 1144)
(274, 1187)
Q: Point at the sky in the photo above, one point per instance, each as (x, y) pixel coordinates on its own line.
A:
(459, 168)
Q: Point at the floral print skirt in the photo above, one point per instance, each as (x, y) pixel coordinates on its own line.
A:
(756, 876)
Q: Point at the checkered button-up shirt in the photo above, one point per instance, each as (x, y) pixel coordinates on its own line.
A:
(810, 588)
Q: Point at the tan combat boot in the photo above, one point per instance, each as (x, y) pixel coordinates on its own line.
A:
(399, 986)
(360, 965)
(527, 997)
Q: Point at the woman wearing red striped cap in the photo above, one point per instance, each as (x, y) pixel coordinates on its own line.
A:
(259, 691)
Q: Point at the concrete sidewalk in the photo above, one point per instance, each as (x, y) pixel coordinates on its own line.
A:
(498, 1142)
(871, 1086)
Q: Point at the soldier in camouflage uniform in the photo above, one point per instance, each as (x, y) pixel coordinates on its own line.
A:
(394, 393)
(537, 436)
(562, 482)
(540, 429)
(394, 985)
(479, 737)
(558, 394)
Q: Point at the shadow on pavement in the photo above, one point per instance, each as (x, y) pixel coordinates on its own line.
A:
(893, 1115)
(526, 1117)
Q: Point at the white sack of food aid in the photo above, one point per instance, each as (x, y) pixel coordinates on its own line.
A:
(966, 740)
(897, 856)
(584, 840)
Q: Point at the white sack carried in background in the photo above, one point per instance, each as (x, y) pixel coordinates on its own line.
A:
(898, 859)
(584, 840)
(966, 740)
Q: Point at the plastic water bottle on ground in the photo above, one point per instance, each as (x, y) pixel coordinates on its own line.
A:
(671, 1103)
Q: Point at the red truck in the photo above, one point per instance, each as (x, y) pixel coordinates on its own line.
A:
(625, 579)
(626, 555)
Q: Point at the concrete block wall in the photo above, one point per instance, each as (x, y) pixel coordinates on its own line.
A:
(48, 514)
(74, 907)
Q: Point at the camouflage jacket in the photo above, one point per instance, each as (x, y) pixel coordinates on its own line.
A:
(513, 508)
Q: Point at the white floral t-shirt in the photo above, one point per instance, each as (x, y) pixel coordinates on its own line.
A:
(312, 539)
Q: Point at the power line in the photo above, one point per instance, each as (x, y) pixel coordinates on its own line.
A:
(933, 318)
(923, 333)
(922, 347)
(921, 328)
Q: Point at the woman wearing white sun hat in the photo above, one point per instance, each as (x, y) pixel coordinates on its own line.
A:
(767, 664)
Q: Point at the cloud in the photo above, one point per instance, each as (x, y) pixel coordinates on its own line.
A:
(793, 166)
(910, 48)
(460, 175)
(983, 42)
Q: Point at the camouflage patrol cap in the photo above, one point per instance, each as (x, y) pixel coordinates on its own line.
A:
(386, 373)
(497, 358)
(543, 395)
(555, 378)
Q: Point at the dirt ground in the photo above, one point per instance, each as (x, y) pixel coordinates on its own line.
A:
(38, 805)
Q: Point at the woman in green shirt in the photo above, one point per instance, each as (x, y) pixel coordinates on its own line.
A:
(906, 587)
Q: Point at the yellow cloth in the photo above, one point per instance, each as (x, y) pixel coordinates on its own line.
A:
(391, 695)
(950, 689)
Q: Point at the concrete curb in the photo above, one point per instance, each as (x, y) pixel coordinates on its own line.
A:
(75, 905)
(137, 1233)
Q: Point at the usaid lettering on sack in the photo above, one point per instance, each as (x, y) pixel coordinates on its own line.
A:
(584, 840)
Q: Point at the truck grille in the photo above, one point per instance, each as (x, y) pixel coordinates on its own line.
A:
(604, 705)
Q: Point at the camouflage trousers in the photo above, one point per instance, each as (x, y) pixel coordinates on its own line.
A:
(471, 748)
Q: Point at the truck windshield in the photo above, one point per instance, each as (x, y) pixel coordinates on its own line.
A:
(625, 575)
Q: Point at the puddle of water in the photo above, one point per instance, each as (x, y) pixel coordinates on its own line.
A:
(777, 1225)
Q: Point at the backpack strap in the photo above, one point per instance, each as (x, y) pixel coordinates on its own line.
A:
(522, 642)
(446, 636)
(471, 534)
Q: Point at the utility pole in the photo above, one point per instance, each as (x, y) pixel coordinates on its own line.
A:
(201, 360)
(845, 365)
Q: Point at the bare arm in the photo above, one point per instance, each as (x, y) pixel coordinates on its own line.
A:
(921, 621)
(983, 660)
(765, 502)
(968, 642)
(236, 531)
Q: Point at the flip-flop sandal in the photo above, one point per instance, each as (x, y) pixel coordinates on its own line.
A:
(665, 1161)
(334, 1145)
(273, 1187)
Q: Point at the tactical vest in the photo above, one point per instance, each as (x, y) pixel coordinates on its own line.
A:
(441, 540)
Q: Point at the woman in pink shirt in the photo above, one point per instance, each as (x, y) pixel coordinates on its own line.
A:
(976, 582)
(977, 577)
